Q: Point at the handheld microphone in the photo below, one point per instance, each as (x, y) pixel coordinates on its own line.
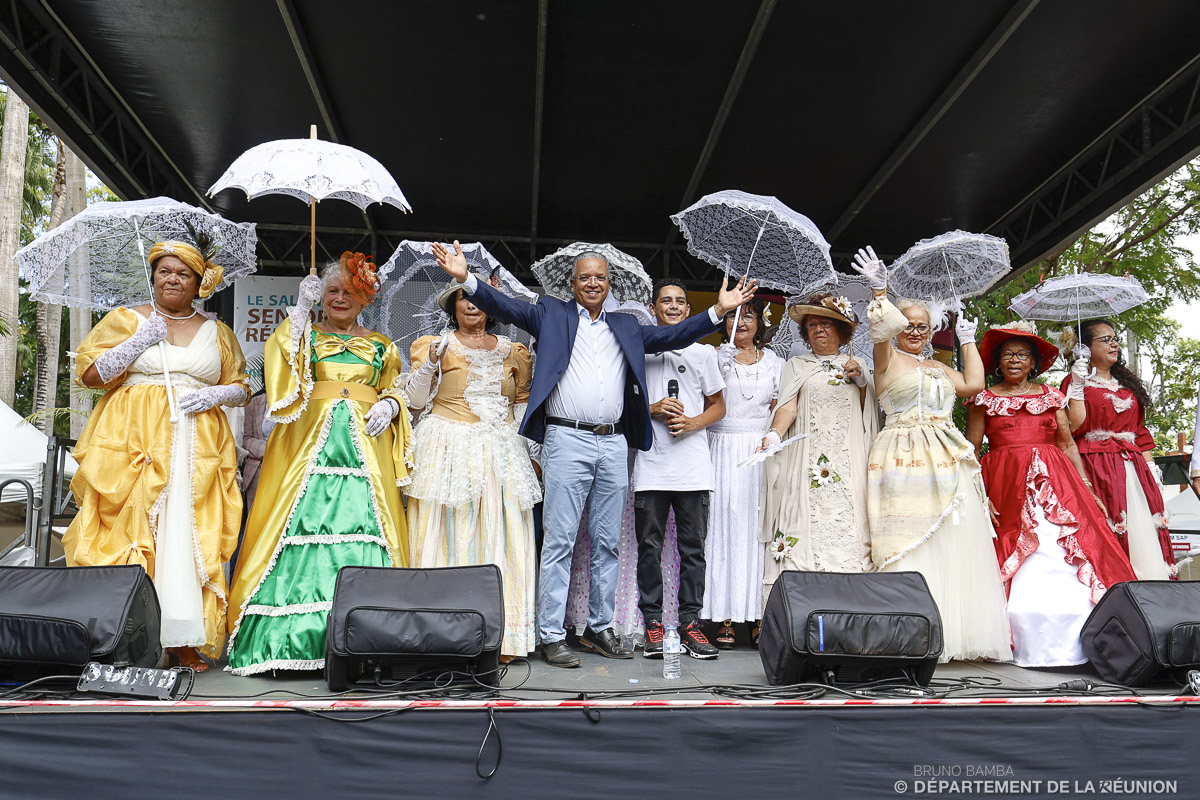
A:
(673, 389)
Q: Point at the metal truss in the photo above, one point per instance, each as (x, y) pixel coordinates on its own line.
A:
(1149, 142)
(45, 63)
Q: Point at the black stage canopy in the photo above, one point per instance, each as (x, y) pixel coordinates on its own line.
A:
(526, 125)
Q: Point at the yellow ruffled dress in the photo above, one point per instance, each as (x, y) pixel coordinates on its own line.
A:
(136, 505)
(327, 497)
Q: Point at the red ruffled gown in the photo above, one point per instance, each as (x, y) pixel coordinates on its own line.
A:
(1111, 441)
(1057, 554)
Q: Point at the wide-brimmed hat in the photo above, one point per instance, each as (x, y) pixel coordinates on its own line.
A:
(998, 336)
(445, 298)
(838, 308)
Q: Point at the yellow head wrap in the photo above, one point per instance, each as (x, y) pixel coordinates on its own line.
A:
(210, 273)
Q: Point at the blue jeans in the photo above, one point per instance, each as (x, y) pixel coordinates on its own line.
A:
(581, 470)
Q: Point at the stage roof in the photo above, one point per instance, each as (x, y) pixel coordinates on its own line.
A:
(527, 125)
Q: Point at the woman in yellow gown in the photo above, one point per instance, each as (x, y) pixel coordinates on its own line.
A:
(136, 502)
(328, 488)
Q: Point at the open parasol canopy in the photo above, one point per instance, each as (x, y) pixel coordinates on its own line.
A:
(406, 307)
(627, 277)
(952, 266)
(92, 260)
(312, 170)
(1080, 296)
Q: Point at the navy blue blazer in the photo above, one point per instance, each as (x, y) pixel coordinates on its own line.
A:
(555, 323)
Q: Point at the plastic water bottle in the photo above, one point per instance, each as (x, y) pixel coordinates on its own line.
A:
(671, 650)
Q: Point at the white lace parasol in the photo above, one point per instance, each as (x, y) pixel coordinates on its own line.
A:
(748, 233)
(627, 278)
(855, 288)
(1083, 295)
(406, 307)
(92, 260)
(312, 169)
(952, 266)
(637, 310)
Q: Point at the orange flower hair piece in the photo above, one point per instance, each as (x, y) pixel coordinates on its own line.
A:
(362, 282)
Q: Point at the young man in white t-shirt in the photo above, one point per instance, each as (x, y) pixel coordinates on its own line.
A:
(684, 389)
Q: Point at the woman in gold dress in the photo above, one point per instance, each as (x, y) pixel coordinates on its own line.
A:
(150, 492)
(327, 491)
(472, 500)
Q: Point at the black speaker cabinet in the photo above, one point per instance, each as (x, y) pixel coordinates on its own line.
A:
(54, 620)
(849, 628)
(414, 625)
(1141, 629)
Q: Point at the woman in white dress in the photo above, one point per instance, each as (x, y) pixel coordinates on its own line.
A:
(925, 495)
(813, 513)
(733, 580)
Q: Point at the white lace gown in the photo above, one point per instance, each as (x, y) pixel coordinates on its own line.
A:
(732, 552)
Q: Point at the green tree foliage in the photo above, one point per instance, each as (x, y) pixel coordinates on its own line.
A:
(1138, 240)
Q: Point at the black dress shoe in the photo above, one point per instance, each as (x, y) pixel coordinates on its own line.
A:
(559, 654)
(605, 643)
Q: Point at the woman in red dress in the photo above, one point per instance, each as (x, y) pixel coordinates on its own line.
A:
(1117, 450)
(1057, 553)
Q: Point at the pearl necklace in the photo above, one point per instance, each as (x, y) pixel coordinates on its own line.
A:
(751, 375)
(165, 315)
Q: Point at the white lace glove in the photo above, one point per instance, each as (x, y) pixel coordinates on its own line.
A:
(869, 265)
(117, 359)
(1156, 471)
(208, 397)
(420, 384)
(1079, 371)
(965, 329)
(380, 416)
(307, 297)
(726, 355)
(771, 440)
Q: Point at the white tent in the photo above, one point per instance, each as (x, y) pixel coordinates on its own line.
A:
(23, 455)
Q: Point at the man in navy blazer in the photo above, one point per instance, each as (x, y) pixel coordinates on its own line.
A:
(587, 404)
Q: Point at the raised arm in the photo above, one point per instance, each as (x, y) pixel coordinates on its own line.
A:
(506, 309)
(883, 317)
(656, 339)
(1074, 385)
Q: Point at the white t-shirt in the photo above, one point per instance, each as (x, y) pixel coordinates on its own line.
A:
(679, 463)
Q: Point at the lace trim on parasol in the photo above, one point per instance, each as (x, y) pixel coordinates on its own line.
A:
(1001, 406)
(1040, 492)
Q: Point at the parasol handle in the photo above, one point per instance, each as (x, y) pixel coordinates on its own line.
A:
(312, 230)
(737, 315)
(172, 408)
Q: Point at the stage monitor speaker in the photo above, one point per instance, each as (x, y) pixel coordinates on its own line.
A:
(1141, 629)
(389, 626)
(845, 628)
(54, 620)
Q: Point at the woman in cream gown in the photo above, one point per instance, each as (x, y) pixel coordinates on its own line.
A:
(472, 500)
(925, 494)
(328, 488)
(162, 495)
(813, 508)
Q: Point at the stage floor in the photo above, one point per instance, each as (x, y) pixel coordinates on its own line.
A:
(610, 680)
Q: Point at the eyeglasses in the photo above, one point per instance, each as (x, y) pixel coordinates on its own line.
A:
(1019, 356)
(591, 278)
(1106, 339)
(818, 323)
(920, 330)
